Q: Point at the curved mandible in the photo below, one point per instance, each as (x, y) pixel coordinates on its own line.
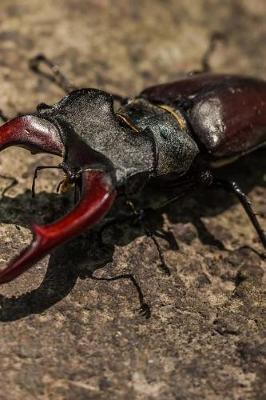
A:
(97, 196)
(33, 133)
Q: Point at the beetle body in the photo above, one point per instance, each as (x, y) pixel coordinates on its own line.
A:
(172, 130)
(226, 113)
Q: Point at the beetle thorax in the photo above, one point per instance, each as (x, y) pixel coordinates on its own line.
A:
(86, 119)
(175, 148)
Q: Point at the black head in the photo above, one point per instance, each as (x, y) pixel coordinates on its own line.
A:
(86, 120)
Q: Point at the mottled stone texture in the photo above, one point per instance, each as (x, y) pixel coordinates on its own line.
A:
(66, 336)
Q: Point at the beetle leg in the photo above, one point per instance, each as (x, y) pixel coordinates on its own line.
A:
(3, 116)
(97, 197)
(77, 191)
(40, 168)
(144, 307)
(120, 99)
(139, 216)
(164, 267)
(231, 186)
(142, 217)
(13, 183)
(214, 39)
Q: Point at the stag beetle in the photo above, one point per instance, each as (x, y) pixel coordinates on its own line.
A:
(178, 132)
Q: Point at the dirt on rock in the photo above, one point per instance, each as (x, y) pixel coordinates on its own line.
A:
(64, 335)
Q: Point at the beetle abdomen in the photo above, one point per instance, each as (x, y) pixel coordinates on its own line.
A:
(230, 119)
(227, 113)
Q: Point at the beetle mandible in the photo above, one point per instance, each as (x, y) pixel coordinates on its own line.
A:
(180, 131)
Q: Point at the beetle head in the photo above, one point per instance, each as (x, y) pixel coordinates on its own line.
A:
(84, 166)
(86, 119)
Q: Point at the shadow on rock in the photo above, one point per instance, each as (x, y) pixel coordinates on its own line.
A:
(81, 257)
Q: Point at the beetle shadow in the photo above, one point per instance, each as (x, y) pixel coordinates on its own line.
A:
(81, 257)
(62, 273)
(248, 172)
(60, 278)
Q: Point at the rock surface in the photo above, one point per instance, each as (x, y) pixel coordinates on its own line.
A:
(66, 336)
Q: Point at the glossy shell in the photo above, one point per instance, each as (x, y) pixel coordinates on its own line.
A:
(227, 113)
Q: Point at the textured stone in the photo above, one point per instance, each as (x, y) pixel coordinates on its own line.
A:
(66, 336)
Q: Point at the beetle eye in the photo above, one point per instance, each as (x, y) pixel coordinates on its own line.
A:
(164, 133)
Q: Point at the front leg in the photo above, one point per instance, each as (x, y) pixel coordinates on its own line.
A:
(144, 309)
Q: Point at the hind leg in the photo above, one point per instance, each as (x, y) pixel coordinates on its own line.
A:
(232, 187)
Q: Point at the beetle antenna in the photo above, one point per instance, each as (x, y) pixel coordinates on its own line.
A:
(55, 75)
(58, 77)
